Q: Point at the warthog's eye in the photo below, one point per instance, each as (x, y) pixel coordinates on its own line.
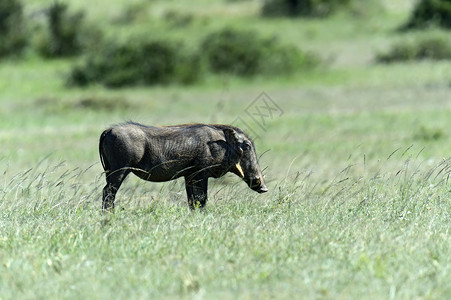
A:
(246, 145)
(257, 181)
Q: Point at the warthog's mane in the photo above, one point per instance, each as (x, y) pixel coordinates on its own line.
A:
(191, 125)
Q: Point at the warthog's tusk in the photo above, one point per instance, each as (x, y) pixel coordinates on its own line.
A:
(238, 167)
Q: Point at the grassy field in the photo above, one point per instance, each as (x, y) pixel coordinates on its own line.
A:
(356, 164)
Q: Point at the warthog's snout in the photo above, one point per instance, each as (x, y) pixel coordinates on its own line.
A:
(257, 185)
(262, 189)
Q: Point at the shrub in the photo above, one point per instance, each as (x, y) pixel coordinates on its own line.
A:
(149, 62)
(435, 48)
(65, 35)
(430, 12)
(138, 62)
(12, 34)
(245, 53)
(428, 134)
(233, 52)
(308, 8)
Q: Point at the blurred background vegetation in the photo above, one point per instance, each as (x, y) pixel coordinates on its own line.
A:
(161, 62)
(141, 44)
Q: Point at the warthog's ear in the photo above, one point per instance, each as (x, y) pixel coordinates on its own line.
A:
(232, 137)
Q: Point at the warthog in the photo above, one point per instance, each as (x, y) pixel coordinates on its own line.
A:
(194, 151)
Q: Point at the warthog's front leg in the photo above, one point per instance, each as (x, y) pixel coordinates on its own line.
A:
(196, 190)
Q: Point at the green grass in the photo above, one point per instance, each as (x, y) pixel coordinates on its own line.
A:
(384, 235)
(357, 169)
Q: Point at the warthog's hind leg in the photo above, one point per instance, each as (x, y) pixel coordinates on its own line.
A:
(196, 190)
(113, 183)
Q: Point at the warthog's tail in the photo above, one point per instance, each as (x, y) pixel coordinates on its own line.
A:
(105, 164)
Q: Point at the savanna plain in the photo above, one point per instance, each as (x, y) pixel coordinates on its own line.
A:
(356, 159)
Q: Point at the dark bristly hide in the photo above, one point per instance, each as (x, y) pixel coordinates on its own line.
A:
(193, 151)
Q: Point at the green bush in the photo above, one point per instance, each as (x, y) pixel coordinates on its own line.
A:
(428, 134)
(307, 8)
(245, 53)
(235, 52)
(429, 13)
(138, 62)
(150, 62)
(65, 35)
(435, 48)
(12, 28)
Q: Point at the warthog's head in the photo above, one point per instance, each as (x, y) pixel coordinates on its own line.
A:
(244, 160)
